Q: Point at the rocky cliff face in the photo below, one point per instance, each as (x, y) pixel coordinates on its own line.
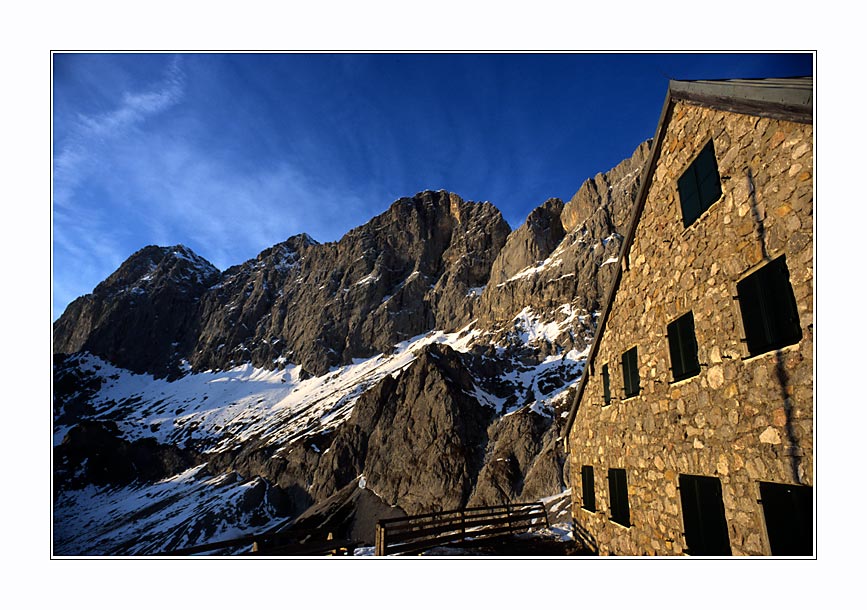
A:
(559, 264)
(319, 305)
(410, 269)
(425, 427)
(142, 316)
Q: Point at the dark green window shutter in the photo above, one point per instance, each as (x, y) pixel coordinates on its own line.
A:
(606, 385)
(707, 176)
(768, 308)
(699, 187)
(788, 511)
(704, 519)
(683, 347)
(618, 496)
(690, 204)
(631, 382)
(588, 490)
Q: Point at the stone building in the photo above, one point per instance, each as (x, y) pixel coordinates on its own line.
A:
(692, 428)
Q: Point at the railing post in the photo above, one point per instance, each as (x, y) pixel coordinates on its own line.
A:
(545, 512)
(463, 526)
(380, 540)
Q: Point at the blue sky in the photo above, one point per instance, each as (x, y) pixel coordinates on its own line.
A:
(232, 153)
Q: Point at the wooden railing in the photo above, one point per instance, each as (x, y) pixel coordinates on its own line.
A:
(409, 535)
(298, 542)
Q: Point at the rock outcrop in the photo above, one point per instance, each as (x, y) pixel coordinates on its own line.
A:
(93, 453)
(418, 440)
(564, 255)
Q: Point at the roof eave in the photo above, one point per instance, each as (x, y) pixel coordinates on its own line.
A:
(784, 99)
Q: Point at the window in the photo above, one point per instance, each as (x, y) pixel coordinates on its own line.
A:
(699, 186)
(704, 516)
(630, 373)
(606, 385)
(788, 517)
(768, 308)
(588, 491)
(683, 347)
(618, 496)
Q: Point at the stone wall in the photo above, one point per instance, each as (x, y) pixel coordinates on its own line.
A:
(742, 419)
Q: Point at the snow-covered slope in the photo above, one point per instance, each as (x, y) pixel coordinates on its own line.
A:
(214, 412)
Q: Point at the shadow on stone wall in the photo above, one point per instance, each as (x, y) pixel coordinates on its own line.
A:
(793, 447)
(585, 537)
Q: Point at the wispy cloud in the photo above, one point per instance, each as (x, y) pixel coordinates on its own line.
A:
(131, 177)
(86, 141)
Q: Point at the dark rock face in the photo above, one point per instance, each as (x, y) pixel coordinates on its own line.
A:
(73, 390)
(351, 513)
(407, 271)
(141, 317)
(92, 452)
(418, 440)
(531, 243)
(515, 443)
(524, 462)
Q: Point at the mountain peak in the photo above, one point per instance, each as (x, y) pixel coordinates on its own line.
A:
(154, 264)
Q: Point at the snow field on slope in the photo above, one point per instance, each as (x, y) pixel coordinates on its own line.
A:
(177, 512)
(220, 410)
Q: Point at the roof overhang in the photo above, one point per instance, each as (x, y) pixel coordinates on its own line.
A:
(789, 99)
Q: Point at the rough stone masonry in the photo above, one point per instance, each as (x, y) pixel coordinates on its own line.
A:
(742, 419)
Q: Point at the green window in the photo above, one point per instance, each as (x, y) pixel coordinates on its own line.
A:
(630, 373)
(588, 491)
(683, 347)
(618, 496)
(768, 308)
(606, 385)
(699, 186)
(704, 516)
(788, 511)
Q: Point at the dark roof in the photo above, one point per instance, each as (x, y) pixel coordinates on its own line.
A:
(789, 99)
(779, 98)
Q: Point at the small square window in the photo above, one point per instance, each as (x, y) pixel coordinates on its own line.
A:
(699, 186)
(768, 308)
(606, 385)
(683, 347)
(631, 382)
(618, 496)
(588, 491)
